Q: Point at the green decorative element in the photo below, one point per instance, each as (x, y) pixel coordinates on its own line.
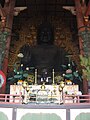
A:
(71, 72)
(64, 66)
(69, 76)
(83, 116)
(40, 116)
(20, 74)
(3, 116)
(85, 35)
(3, 40)
(75, 74)
(85, 63)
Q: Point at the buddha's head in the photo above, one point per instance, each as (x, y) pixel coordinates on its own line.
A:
(45, 34)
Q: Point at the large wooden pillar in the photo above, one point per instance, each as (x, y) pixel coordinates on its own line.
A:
(6, 14)
(82, 12)
(9, 6)
(80, 21)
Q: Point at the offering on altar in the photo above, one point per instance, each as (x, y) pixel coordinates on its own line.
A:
(20, 82)
(68, 82)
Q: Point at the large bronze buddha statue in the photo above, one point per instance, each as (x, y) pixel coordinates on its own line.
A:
(45, 55)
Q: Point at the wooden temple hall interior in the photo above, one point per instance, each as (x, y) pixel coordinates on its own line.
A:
(44, 50)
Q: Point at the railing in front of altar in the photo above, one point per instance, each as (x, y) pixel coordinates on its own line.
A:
(67, 99)
(10, 99)
(74, 107)
(76, 99)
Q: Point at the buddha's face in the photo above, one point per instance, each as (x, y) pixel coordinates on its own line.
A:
(45, 35)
